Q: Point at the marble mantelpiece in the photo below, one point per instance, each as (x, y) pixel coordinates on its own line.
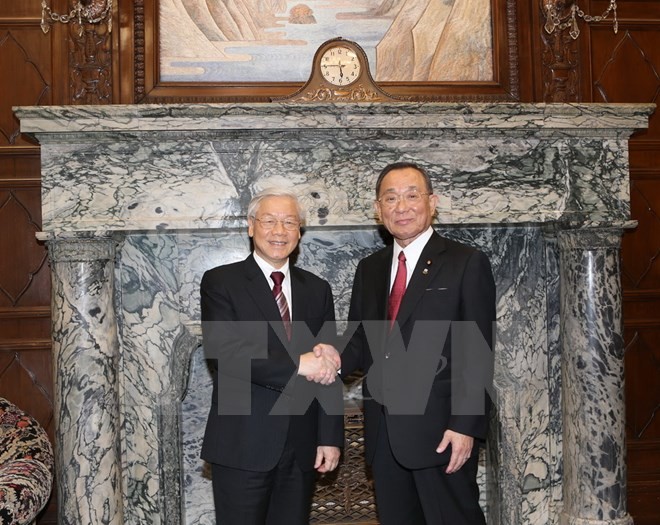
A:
(139, 200)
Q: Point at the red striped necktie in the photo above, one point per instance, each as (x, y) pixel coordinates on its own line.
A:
(280, 299)
(398, 289)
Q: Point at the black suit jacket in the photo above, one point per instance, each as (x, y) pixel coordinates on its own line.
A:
(251, 357)
(409, 374)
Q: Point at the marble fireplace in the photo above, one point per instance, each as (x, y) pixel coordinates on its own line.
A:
(139, 200)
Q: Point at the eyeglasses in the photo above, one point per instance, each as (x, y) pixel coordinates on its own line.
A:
(411, 198)
(268, 223)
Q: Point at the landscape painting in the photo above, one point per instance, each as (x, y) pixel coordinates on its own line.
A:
(243, 41)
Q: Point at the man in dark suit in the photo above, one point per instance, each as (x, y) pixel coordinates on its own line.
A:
(425, 410)
(262, 447)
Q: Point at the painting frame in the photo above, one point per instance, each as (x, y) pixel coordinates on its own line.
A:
(147, 86)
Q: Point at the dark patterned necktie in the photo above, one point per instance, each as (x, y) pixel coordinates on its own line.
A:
(398, 289)
(280, 299)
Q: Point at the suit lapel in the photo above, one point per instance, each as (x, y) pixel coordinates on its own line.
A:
(298, 296)
(260, 291)
(427, 267)
(379, 292)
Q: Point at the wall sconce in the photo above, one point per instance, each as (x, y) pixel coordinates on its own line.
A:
(554, 20)
(84, 12)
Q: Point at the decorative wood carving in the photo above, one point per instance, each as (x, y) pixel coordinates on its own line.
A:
(560, 62)
(90, 62)
(512, 60)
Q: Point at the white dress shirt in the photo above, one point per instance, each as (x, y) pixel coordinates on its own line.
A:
(267, 269)
(412, 252)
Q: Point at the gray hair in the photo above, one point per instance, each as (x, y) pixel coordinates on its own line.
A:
(401, 166)
(253, 207)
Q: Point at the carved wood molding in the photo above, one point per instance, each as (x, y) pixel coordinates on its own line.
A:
(21, 345)
(139, 50)
(358, 94)
(514, 52)
(560, 61)
(90, 60)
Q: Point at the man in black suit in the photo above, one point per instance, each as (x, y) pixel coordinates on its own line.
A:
(425, 409)
(262, 447)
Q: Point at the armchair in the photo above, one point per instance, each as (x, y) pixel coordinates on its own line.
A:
(26, 466)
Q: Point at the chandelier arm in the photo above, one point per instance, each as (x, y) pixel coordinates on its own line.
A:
(554, 20)
(79, 12)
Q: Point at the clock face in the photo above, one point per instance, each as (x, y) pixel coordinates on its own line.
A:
(340, 65)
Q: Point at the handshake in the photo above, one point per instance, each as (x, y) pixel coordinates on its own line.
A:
(321, 365)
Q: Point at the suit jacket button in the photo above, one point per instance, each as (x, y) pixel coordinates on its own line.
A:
(387, 355)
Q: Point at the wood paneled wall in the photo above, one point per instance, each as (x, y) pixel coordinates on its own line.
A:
(98, 67)
(26, 78)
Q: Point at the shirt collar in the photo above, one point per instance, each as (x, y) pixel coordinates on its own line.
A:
(268, 268)
(414, 250)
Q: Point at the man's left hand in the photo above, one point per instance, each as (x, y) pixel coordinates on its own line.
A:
(327, 458)
(329, 354)
(461, 449)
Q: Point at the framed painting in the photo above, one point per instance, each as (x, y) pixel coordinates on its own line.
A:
(256, 50)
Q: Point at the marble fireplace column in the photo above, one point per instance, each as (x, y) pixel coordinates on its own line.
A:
(593, 412)
(85, 357)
